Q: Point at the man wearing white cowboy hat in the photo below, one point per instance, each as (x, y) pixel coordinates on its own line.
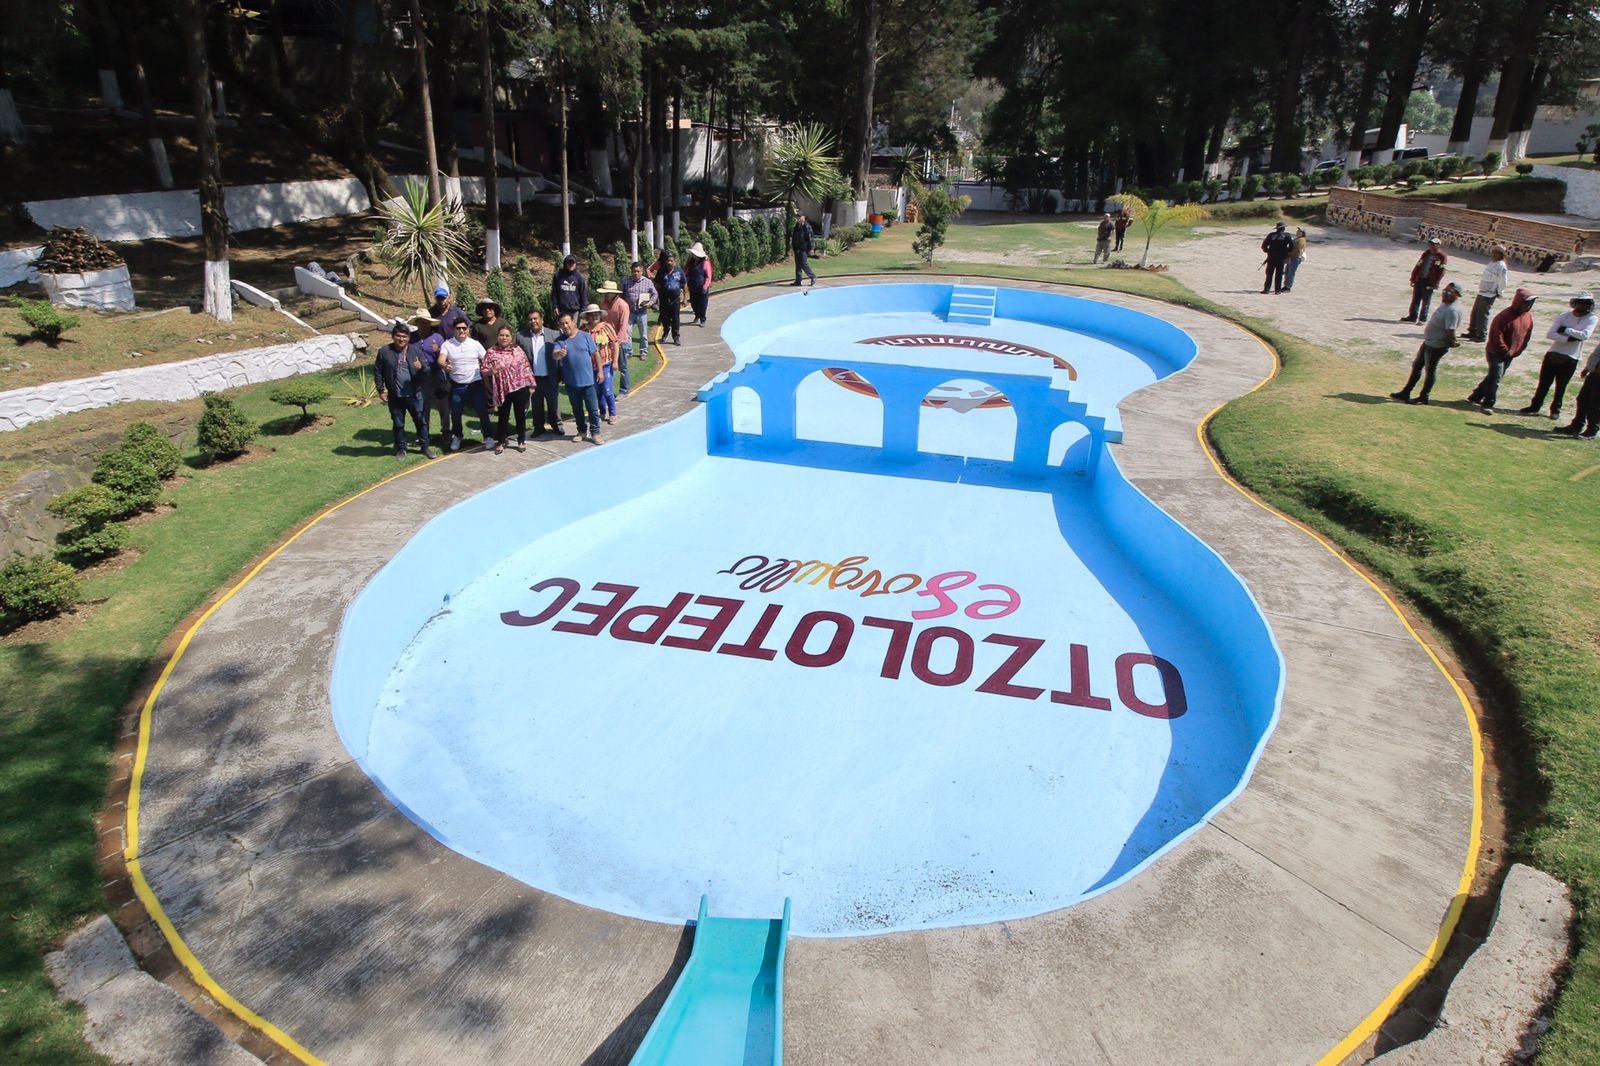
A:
(1567, 334)
(618, 316)
(698, 271)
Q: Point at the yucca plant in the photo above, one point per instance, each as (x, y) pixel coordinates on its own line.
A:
(422, 244)
(803, 162)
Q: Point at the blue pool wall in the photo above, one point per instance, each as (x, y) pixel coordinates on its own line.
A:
(412, 587)
(496, 523)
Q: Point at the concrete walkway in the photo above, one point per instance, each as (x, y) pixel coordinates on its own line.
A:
(1268, 936)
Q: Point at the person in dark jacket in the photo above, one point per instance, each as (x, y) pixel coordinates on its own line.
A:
(487, 328)
(569, 292)
(1278, 246)
(670, 286)
(1508, 338)
(536, 340)
(1425, 278)
(403, 379)
(801, 241)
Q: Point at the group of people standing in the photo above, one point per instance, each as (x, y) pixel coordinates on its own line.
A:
(1505, 338)
(443, 360)
(1110, 226)
(1285, 253)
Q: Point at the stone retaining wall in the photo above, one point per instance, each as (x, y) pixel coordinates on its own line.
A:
(1460, 227)
(175, 381)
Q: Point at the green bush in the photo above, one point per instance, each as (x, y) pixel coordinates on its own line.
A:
(46, 323)
(1213, 188)
(647, 252)
(1252, 186)
(594, 266)
(132, 481)
(497, 290)
(619, 260)
(1289, 184)
(1235, 186)
(776, 236)
(1524, 169)
(524, 293)
(1491, 162)
(1415, 182)
(224, 432)
(1449, 166)
(90, 534)
(464, 296)
(669, 245)
(1196, 190)
(305, 392)
(154, 446)
(34, 587)
(1428, 168)
(724, 256)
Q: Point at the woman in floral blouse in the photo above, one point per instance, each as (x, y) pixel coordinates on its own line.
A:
(507, 379)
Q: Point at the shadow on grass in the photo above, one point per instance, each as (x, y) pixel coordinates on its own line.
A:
(1513, 429)
(1360, 397)
(382, 439)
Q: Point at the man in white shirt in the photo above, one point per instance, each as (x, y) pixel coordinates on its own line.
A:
(460, 357)
(1496, 279)
(536, 338)
(1567, 334)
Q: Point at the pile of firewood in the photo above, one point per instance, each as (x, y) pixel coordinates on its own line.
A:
(75, 251)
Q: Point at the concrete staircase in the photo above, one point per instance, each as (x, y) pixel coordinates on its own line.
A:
(971, 304)
(325, 316)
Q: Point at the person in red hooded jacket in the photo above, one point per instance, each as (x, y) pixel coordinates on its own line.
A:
(1508, 338)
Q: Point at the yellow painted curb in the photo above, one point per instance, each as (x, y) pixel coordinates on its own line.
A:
(1435, 951)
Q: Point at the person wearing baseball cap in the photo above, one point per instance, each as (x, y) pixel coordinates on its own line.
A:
(1567, 333)
(1425, 278)
(1437, 339)
(445, 310)
(569, 290)
(1277, 246)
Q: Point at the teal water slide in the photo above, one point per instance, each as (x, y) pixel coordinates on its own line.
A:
(727, 1006)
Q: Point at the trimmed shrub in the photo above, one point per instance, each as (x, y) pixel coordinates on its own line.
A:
(1252, 186)
(647, 252)
(1491, 162)
(1213, 188)
(1196, 191)
(303, 393)
(90, 536)
(34, 587)
(775, 240)
(1524, 169)
(1235, 186)
(594, 267)
(223, 429)
(132, 482)
(721, 248)
(1289, 184)
(146, 441)
(464, 296)
(1270, 183)
(619, 260)
(524, 293)
(669, 245)
(497, 290)
(45, 323)
(1415, 182)
(1428, 168)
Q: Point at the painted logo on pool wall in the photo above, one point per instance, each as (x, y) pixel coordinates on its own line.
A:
(824, 638)
(950, 396)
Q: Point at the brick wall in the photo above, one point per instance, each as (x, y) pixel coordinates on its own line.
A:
(1460, 227)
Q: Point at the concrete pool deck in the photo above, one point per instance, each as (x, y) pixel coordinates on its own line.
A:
(1276, 933)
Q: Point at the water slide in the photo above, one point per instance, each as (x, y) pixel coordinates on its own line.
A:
(727, 1007)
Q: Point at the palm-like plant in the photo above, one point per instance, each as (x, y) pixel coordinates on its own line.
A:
(423, 245)
(802, 163)
(1156, 215)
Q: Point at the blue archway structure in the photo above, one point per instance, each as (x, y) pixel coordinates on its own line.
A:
(1041, 406)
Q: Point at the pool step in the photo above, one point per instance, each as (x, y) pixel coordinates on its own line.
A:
(971, 304)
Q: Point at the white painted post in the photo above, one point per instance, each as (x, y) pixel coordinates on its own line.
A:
(222, 101)
(110, 92)
(11, 130)
(158, 152)
(491, 255)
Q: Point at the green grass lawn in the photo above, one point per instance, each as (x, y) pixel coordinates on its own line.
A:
(1478, 522)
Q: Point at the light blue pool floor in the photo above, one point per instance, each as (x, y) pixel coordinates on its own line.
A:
(634, 777)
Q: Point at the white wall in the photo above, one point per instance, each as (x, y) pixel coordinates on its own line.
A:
(16, 265)
(173, 381)
(1583, 188)
(148, 215)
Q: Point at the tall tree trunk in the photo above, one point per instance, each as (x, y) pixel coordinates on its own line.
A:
(1472, 72)
(730, 154)
(218, 299)
(155, 147)
(1514, 75)
(633, 215)
(1527, 107)
(280, 47)
(705, 171)
(11, 130)
(658, 174)
(1286, 131)
(425, 99)
(444, 62)
(353, 117)
(491, 161)
(868, 18)
(1379, 16)
(95, 25)
(566, 192)
(1403, 77)
(677, 155)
